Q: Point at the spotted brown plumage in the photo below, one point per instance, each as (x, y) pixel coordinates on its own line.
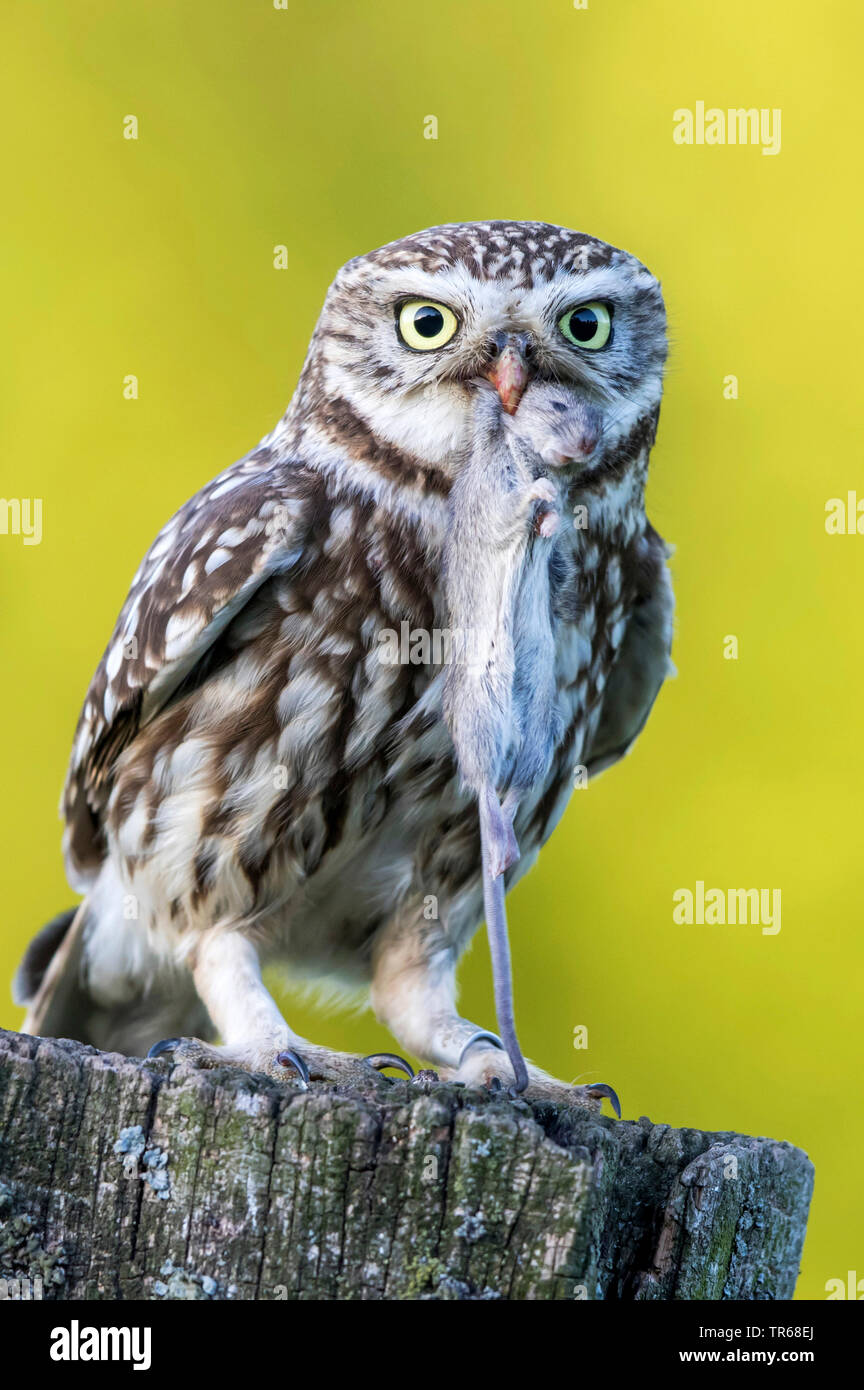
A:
(252, 782)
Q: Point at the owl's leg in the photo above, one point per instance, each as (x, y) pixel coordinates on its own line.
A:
(414, 995)
(255, 1037)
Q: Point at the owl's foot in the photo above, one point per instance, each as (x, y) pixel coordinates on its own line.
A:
(278, 1063)
(490, 1068)
(382, 1061)
(298, 1063)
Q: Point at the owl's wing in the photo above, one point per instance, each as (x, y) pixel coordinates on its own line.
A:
(204, 566)
(643, 661)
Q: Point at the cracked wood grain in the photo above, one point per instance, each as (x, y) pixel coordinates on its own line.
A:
(127, 1179)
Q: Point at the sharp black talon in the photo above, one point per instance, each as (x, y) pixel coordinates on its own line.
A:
(166, 1045)
(481, 1036)
(290, 1058)
(601, 1089)
(380, 1060)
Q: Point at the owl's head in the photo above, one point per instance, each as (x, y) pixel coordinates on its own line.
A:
(407, 331)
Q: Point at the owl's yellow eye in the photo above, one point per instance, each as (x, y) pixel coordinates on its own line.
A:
(588, 326)
(423, 324)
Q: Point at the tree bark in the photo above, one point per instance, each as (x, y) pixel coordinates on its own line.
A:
(123, 1179)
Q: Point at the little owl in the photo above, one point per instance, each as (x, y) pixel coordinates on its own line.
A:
(253, 784)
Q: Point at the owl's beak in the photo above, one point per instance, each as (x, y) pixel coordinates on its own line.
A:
(509, 373)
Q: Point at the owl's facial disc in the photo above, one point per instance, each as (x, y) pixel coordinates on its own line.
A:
(409, 332)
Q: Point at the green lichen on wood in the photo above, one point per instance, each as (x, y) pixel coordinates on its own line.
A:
(27, 1269)
(160, 1182)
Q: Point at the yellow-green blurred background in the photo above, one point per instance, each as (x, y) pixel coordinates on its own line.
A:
(303, 127)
